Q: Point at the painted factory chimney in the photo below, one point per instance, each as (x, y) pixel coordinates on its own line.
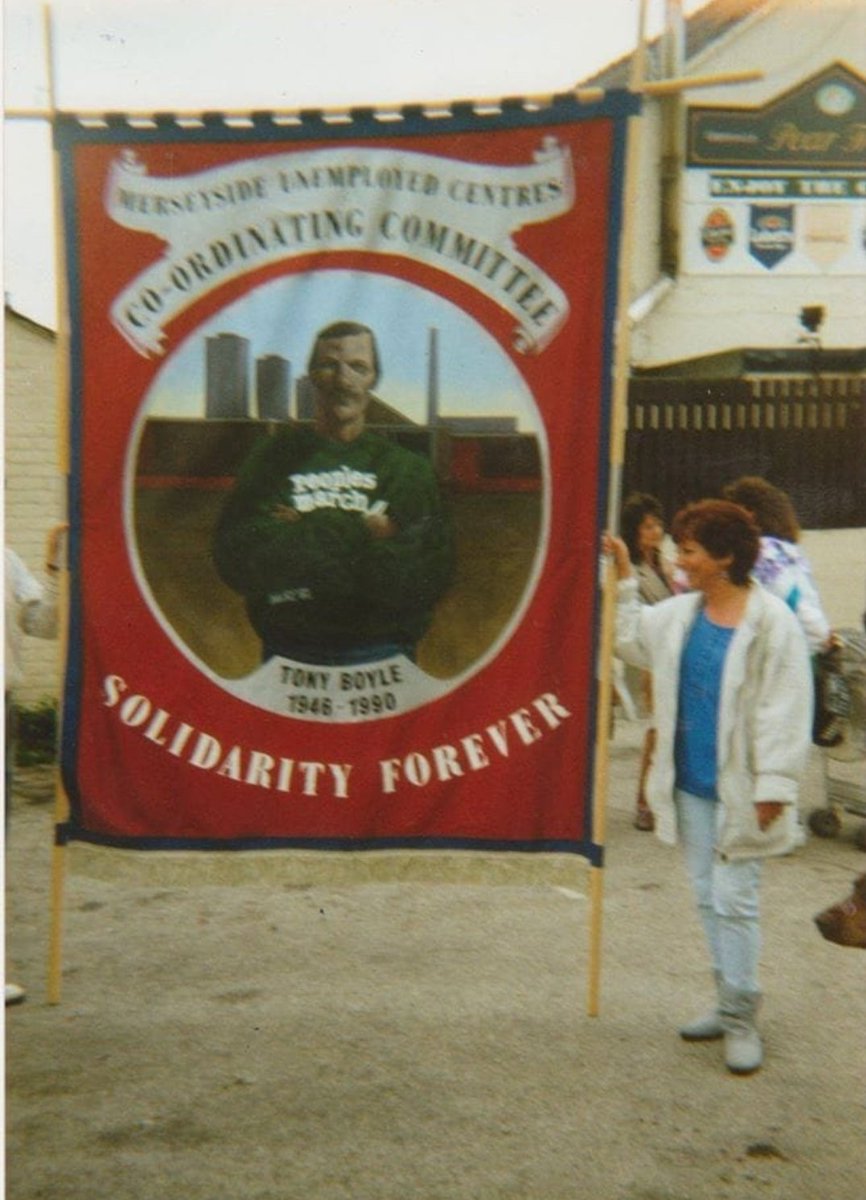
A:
(433, 379)
(434, 431)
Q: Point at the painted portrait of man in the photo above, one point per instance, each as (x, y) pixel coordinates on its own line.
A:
(336, 537)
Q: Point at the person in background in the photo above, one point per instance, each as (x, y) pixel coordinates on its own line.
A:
(643, 530)
(733, 719)
(785, 571)
(30, 608)
(782, 567)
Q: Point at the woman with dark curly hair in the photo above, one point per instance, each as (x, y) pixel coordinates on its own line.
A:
(643, 529)
(781, 565)
(732, 709)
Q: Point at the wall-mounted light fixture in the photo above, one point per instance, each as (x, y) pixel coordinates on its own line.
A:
(812, 317)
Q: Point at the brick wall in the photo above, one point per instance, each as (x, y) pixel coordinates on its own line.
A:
(34, 497)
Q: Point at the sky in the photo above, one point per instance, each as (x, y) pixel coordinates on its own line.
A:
(475, 377)
(192, 55)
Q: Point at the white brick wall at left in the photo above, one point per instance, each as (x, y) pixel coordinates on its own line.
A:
(34, 490)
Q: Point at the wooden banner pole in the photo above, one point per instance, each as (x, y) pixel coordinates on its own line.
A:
(682, 83)
(61, 803)
(584, 95)
(621, 353)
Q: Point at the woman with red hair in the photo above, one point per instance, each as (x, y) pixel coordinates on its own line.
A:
(732, 693)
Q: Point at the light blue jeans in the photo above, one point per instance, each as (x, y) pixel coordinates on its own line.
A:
(727, 894)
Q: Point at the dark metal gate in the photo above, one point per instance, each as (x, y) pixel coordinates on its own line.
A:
(686, 438)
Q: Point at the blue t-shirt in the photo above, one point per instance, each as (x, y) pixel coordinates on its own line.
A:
(695, 746)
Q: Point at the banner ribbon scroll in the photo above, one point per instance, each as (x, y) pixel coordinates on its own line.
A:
(459, 217)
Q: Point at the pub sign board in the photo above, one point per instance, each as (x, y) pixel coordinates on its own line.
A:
(781, 188)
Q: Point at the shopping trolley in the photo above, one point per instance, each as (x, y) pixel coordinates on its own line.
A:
(841, 733)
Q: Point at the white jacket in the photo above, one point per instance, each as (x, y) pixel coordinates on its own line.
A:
(765, 713)
(30, 607)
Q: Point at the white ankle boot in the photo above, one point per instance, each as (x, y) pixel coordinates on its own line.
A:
(743, 1050)
(708, 1027)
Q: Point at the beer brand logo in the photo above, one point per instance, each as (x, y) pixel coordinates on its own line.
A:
(717, 234)
(771, 232)
(826, 233)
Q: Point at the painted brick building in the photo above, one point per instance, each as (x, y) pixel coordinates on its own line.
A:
(34, 491)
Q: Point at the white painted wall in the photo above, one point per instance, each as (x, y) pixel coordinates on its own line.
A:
(33, 494)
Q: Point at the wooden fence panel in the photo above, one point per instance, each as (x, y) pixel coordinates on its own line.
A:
(687, 438)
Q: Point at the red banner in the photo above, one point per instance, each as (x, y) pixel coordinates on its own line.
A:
(339, 429)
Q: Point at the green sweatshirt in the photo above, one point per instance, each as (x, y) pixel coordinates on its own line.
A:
(323, 579)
